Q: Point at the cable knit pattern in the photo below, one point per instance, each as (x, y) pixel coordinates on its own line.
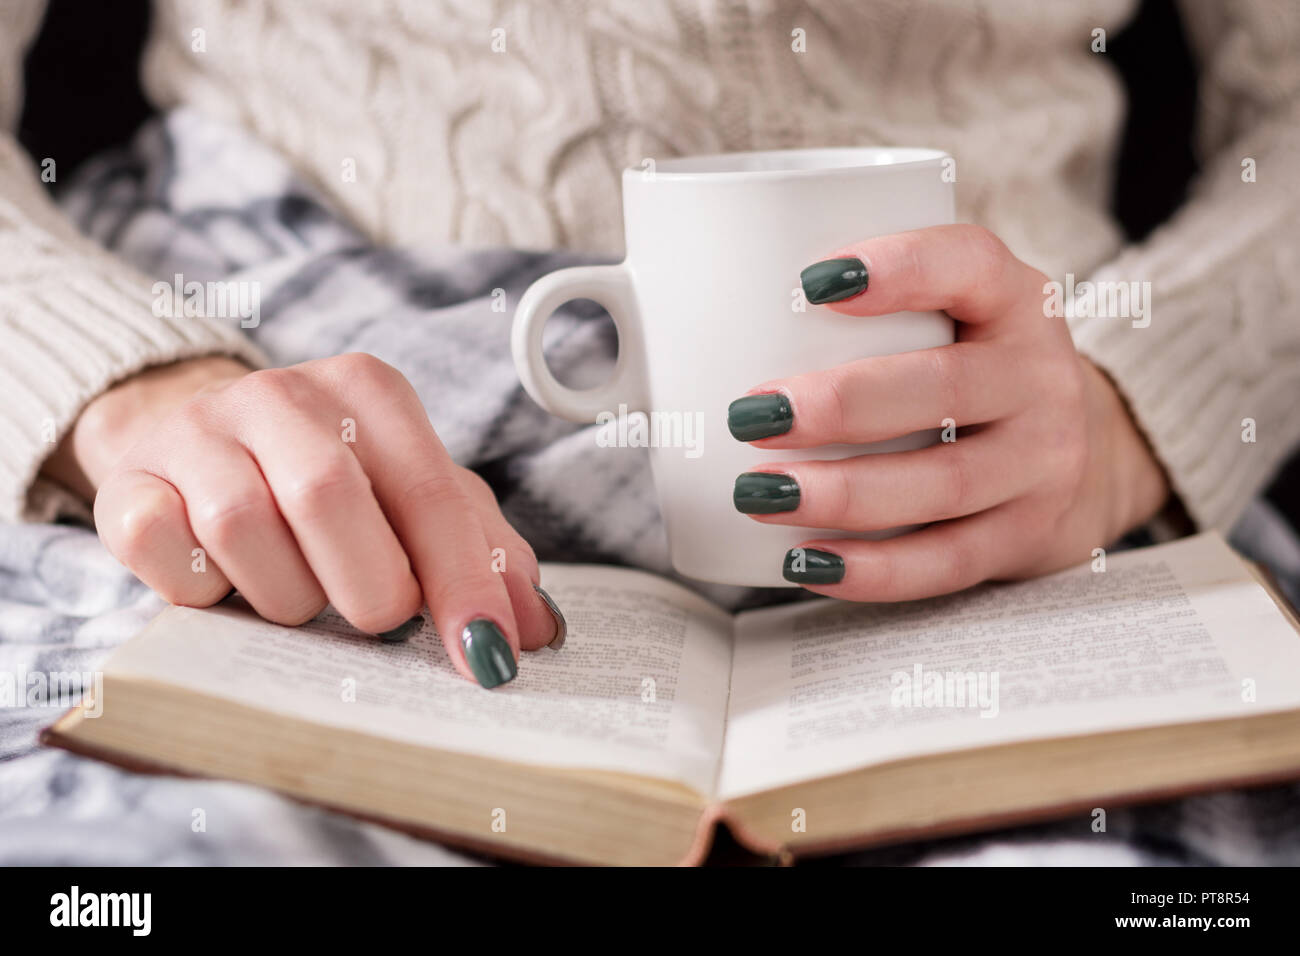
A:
(524, 147)
(1223, 347)
(73, 319)
(509, 122)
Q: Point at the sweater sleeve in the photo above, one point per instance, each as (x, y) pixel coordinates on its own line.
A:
(73, 319)
(1212, 370)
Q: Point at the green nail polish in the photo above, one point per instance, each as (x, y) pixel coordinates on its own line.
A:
(488, 653)
(764, 493)
(403, 631)
(834, 279)
(759, 416)
(810, 566)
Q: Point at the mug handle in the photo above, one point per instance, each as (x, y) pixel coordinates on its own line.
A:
(611, 288)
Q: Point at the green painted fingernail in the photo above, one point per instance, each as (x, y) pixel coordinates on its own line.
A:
(759, 416)
(810, 566)
(834, 279)
(488, 653)
(764, 493)
(403, 631)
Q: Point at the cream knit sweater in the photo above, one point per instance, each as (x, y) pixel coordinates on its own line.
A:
(508, 122)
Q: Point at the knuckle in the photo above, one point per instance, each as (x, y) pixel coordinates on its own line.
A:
(293, 615)
(470, 585)
(381, 608)
(991, 259)
(220, 522)
(948, 367)
(1036, 282)
(880, 579)
(991, 250)
(321, 490)
(523, 556)
(835, 394)
(192, 419)
(838, 495)
(202, 591)
(146, 516)
(906, 249)
(437, 490)
(271, 388)
(361, 369)
(475, 485)
(957, 569)
(955, 483)
(383, 615)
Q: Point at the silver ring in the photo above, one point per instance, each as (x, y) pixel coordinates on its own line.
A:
(561, 626)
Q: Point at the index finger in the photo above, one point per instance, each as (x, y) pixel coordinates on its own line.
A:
(437, 521)
(963, 270)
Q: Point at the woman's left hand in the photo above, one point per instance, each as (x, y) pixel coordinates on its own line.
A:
(1047, 463)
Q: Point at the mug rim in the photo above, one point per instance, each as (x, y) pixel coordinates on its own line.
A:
(720, 167)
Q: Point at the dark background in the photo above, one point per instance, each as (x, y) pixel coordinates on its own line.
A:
(83, 95)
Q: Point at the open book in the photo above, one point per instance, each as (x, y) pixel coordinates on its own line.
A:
(808, 727)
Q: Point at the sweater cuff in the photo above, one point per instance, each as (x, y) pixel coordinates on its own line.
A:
(69, 335)
(1201, 376)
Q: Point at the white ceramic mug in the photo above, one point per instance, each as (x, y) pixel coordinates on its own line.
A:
(707, 305)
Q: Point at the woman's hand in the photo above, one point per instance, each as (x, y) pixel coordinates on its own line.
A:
(1047, 464)
(322, 482)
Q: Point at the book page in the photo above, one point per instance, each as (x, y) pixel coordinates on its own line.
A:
(640, 685)
(1170, 634)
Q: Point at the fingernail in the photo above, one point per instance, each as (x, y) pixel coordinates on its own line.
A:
(488, 653)
(561, 625)
(834, 279)
(759, 416)
(810, 566)
(403, 631)
(764, 493)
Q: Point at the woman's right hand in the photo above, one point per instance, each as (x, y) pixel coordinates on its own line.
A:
(319, 483)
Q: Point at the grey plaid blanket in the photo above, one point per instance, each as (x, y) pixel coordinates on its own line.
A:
(199, 199)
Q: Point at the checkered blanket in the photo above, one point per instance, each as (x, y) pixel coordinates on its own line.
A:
(208, 202)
